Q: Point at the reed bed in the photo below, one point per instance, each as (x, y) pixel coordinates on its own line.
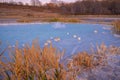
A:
(35, 63)
(73, 20)
(116, 27)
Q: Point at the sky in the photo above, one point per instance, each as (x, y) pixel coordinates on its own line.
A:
(43, 1)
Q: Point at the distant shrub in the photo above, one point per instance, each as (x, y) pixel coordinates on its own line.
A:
(64, 20)
(54, 20)
(24, 20)
(73, 20)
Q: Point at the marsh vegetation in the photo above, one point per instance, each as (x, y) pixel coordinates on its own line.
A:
(116, 27)
(35, 63)
(32, 62)
(64, 12)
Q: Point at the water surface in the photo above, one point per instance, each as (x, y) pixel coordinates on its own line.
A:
(73, 37)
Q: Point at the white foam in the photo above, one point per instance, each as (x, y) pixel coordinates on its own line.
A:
(79, 38)
(68, 33)
(95, 31)
(57, 39)
(59, 25)
(45, 44)
(49, 41)
(74, 36)
(116, 35)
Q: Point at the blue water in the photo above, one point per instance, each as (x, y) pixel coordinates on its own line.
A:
(90, 35)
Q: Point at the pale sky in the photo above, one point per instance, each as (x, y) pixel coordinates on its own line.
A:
(43, 1)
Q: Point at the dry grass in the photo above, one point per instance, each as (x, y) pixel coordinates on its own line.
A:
(73, 20)
(82, 59)
(35, 63)
(24, 20)
(27, 16)
(116, 27)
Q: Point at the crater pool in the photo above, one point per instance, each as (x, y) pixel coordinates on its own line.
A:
(70, 37)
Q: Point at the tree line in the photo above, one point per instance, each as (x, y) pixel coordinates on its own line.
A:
(92, 7)
(85, 7)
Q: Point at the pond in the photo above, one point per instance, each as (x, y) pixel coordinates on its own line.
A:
(70, 37)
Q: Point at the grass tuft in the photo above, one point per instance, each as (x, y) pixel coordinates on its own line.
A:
(116, 27)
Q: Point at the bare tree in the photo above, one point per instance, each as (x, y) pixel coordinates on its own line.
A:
(35, 3)
(12, 2)
(20, 3)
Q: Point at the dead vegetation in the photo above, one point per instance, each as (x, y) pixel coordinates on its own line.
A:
(35, 63)
(116, 27)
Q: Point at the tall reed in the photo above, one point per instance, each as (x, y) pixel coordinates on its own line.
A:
(35, 63)
(116, 27)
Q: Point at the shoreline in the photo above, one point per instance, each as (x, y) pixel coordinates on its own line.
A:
(17, 23)
(95, 20)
